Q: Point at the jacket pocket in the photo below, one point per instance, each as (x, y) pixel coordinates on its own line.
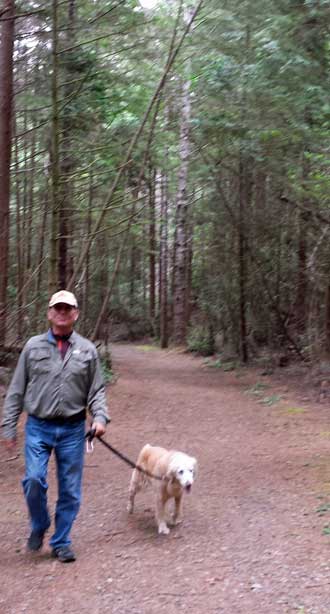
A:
(40, 361)
(79, 363)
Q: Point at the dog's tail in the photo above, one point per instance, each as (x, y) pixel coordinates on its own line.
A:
(144, 454)
(143, 461)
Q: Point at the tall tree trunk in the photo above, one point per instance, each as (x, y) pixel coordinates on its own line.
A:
(327, 319)
(40, 254)
(133, 267)
(54, 158)
(105, 304)
(144, 266)
(302, 284)
(103, 317)
(24, 149)
(152, 244)
(245, 183)
(6, 107)
(244, 199)
(30, 202)
(189, 256)
(102, 258)
(180, 276)
(66, 160)
(163, 264)
(19, 242)
(301, 302)
(86, 282)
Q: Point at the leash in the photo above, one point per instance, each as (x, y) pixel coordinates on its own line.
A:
(90, 435)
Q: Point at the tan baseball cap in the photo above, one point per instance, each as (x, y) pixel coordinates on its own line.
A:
(63, 296)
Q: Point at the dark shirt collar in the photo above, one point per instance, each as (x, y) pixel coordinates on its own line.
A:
(62, 337)
(53, 337)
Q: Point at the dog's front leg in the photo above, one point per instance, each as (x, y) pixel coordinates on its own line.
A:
(161, 499)
(177, 514)
(134, 487)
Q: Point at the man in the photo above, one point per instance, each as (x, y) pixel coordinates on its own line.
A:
(58, 377)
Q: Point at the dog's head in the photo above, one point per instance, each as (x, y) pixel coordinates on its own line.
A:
(182, 468)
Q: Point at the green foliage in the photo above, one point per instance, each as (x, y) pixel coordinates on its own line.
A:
(260, 128)
(107, 372)
(225, 365)
(229, 366)
(214, 364)
(200, 340)
(271, 400)
(323, 509)
(258, 389)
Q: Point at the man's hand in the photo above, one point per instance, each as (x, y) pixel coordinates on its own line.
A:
(99, 428)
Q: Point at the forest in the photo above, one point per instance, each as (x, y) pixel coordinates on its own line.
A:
(167, 161)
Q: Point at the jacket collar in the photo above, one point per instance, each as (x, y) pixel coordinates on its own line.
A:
(51, 338)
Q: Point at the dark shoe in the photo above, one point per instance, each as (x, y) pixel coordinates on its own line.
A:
(64, 554)
(35, 540)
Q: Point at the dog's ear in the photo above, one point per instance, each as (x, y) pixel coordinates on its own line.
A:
(170, 475)
(170, 472)
(195, 466)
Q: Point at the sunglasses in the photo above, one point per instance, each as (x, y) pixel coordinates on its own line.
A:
(63, 306)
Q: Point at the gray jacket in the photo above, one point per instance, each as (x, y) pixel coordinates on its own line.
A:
(47, 387)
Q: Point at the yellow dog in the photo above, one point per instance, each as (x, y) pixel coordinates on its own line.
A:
(177, 471)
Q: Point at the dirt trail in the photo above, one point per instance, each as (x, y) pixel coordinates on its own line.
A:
(253, 539)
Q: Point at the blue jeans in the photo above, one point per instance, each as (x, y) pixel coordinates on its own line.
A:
(67, 441)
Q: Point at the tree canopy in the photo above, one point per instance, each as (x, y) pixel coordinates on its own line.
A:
(170, 166)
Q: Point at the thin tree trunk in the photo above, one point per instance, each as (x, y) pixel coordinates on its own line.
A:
(23, 145)
(66, 163)
(244, 190)
(19, 259)
(30, 205)
(88, 222)
(152, 245)
(144, 267)
(55, 195)
(163, 265)
(189, 256)
(40, 256)
(106, 300)
(133, 266)
(102, 258)
(327, 319)
(180, 277)
(6, 111)
(302, 284)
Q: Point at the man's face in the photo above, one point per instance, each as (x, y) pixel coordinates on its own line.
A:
(62, 318)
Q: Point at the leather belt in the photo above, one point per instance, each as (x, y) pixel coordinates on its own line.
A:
(79, 417)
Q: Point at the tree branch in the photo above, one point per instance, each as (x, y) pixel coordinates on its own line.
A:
(169, 63)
